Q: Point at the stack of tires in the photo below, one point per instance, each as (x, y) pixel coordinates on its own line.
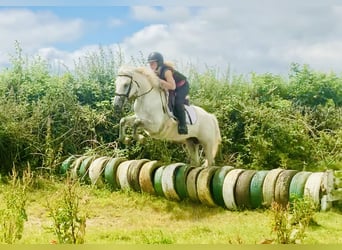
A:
(215, 186)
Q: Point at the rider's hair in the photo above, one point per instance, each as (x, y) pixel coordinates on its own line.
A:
(170, 65)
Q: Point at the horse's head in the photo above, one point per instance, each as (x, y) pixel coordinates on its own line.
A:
(132, 83)
(126, 88)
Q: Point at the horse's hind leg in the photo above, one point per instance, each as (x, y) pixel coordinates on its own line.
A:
(211, 140)
(210, 151)
(193, 151)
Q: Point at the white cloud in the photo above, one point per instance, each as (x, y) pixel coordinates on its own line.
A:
(324, 56)
(160, 14)
(261, 37)
(65, 59)
(34, 30)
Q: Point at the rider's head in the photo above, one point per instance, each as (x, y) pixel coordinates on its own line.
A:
(155, 59)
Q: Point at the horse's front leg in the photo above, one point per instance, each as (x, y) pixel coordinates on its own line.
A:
(124, 122)
(138, 123)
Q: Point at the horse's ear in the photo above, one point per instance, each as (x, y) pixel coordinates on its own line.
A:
(126, 70)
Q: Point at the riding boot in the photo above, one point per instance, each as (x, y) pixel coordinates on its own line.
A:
(180, 114)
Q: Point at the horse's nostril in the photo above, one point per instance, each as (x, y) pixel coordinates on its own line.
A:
(117, 108)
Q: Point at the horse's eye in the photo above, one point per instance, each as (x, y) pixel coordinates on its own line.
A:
(126, 85)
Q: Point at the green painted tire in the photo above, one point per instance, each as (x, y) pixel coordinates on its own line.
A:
(191, 182)
(228, 189)
(110, 172)
(157, 181)
(96, 169)
(313, 187)
(217, 184)
(255, 188)
(146, 176)
(66, 164)
(282, 188)
(297, 185)
(133, 174)
(203, 185)
(180, 184)
(169, 181)
(268, 189)
(242, 193)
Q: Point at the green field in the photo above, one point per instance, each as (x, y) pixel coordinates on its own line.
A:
(132, 218)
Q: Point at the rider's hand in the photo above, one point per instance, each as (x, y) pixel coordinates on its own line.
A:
(161, 84)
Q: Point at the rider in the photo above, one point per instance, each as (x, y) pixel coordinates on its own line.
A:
(177, 85)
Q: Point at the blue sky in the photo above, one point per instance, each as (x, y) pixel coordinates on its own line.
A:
(106, 24)
(263, 36)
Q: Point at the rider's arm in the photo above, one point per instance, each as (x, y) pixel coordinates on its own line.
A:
(170, 83)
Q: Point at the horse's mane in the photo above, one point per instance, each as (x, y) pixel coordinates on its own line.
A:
(151, 76)
(148, 73)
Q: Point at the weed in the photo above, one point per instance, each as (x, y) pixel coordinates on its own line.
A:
(13, 216)
(290, 222)
(68, 221)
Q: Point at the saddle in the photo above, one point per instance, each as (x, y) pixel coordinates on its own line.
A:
(190, 113)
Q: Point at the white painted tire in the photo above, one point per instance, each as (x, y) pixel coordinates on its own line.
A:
(313, 187)
(122, 174)
(75, 167)
(282, 188)
(146, 176)
(268, 188)
(168, 181)
(242, 192)
(133, 174)
(191, 181)
(96, 169)
(203, 186)
(228, 188)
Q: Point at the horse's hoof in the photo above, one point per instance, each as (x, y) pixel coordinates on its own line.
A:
(205, 164)
(127, 141)
(140, 138)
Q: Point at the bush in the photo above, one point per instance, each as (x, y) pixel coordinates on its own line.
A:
(266, 121)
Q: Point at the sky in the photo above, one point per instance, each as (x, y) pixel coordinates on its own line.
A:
(262, 36)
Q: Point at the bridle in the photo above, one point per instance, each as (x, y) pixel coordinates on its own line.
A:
(130, 87)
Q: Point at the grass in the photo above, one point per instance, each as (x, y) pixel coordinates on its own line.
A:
(132, 218)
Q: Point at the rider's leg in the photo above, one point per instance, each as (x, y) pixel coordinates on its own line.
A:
(171, 100)
(180, 114)
(179, 111)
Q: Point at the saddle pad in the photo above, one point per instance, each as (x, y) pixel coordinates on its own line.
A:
(190, 114)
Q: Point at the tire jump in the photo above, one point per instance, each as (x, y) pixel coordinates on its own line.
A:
(225, 186)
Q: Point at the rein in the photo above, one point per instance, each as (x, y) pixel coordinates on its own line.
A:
(130, 87)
